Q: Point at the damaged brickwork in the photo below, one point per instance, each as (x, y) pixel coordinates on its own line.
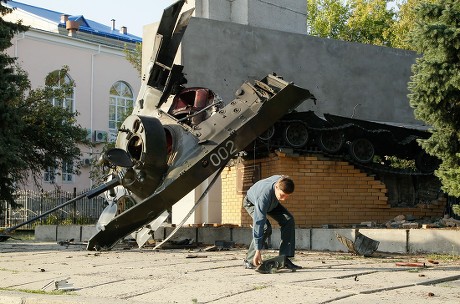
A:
(328, 192)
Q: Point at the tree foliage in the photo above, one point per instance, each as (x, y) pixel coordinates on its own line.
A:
(378, 22)
(435, 84)
(134, 56)
(327, 18)
(34, 135)
(364, 21)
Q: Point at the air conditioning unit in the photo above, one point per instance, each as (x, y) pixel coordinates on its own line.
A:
(86, 162)
(100, 136)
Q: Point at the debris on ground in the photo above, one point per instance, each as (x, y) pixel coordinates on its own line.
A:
(194, 256)
(411, 264)
(361, 246)
(60, 284)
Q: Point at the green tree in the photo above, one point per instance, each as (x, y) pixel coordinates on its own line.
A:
(34, 135)
(435, 84)
(370, 22)
(327, 18)
(364, 21)
(134, 56)
(404, 23)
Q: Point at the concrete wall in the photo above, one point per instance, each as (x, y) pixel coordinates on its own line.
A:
(290, 15)
(391, 240)
(346, 78)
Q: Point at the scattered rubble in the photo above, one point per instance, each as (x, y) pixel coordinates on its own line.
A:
(410, 222)
(450, 222)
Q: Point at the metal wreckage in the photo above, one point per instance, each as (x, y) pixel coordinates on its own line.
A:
(177, 137)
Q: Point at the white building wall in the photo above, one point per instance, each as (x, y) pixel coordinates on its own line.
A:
(93, 67)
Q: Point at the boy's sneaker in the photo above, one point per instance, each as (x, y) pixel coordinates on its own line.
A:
(248, 265)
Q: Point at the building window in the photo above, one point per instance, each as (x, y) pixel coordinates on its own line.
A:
(49, 175)
(59, 79)
(67, 172)
(120, 105)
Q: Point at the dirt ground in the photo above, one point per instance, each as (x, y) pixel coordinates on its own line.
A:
(29, 271)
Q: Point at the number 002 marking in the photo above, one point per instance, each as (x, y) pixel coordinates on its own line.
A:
(223, 153)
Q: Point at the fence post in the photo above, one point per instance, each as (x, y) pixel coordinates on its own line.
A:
(41, 206)
(74, 207)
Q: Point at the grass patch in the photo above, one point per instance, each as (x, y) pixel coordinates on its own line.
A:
(259, 287)
(26, 235)
(10, 270)
(443, 257)
(345, 257)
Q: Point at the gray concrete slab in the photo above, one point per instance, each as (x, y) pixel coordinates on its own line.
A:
(440, 241)
(444, 241)
(87, 231)
(45, 233)
(242, 235)
(68, 232)
(391, 240)
(139, 276)
(208, 235)
(325, 239)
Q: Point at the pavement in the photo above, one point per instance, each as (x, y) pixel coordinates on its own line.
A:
(30, 271)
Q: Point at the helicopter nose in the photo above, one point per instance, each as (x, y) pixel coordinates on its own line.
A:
(143, 140)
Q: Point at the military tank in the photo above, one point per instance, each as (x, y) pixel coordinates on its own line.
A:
(359, 141)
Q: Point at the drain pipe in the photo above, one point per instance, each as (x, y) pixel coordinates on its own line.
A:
(91, 100)
(16, 47)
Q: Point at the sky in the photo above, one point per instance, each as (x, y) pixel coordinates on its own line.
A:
(132, 14)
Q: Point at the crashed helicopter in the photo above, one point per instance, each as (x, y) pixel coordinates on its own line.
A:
(177, 137)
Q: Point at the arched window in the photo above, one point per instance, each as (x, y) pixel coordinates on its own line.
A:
(59, 79)
(121, 104)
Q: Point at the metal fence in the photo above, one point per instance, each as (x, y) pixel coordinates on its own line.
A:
(32, 204)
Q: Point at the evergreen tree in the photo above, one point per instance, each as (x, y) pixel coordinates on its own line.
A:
(34, 135)
(404, 23)
(435, 85)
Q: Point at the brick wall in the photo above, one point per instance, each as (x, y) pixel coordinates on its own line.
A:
(327, 192)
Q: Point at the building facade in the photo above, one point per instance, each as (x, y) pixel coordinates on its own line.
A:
(106, 84)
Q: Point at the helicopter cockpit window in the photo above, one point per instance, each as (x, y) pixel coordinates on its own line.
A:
(194, 105)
